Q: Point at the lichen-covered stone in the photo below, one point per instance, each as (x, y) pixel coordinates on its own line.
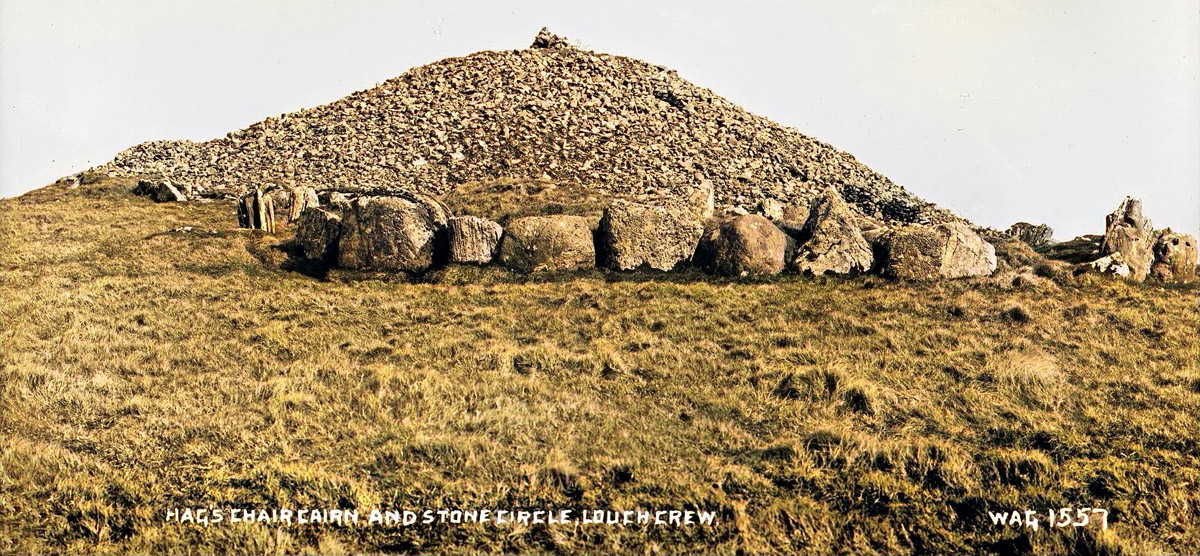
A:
(317, 233)
(1132, 235)
(1174, 257)
(831, 242)
(471, 239)
(948, 250)
(632, 235)
(387, 233)
(743, 245)
(552, 243)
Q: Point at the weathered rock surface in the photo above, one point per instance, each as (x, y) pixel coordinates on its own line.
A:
(256, 211)
(161, 191)
(472, 239)
(1174, 257)
(166, 192)
(830, 241)
(949, 250)
(387, 233)
(1127, 232)
(1035, 235)
(631, 235)
(702, 201)
(742, 245)
(617, 125)
(1110, 265)
(317, 233)
(557, 242)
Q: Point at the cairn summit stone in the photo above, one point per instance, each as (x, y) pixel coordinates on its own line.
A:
(632, 234)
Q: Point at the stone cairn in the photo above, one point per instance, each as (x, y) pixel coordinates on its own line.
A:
(617, 125)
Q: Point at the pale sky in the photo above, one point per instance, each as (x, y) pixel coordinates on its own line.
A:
(1044, 111)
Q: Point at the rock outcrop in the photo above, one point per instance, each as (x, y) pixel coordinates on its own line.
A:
(830, 241)
(1035, 235)
(471, 239)
(548, 243)
(950, 250)
(1127, 232)
(632, 235)
(387, 233)
(743, 245)
(1174, 257)
(317, 233)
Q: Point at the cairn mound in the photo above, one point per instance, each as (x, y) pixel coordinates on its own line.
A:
(617, 125)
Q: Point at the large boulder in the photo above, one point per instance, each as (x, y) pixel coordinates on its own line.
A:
(1174, 257)
(741, 245)
(831, 242)
(1035, 235)
(387, 233)
(471, 239)
(948, 250)
(1127, 232)
(631, 235)
(556, 242)
(317, 233)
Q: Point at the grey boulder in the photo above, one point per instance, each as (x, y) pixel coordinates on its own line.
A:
(632, 235)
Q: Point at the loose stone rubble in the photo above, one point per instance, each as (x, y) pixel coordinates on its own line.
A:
(619, 125)
(694, 179)
(1035, 235)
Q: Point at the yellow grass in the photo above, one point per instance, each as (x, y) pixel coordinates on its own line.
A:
(147, 367)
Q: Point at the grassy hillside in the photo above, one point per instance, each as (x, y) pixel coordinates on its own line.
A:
(155, 357)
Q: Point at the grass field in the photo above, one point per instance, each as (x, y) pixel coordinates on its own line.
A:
(148, 366)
